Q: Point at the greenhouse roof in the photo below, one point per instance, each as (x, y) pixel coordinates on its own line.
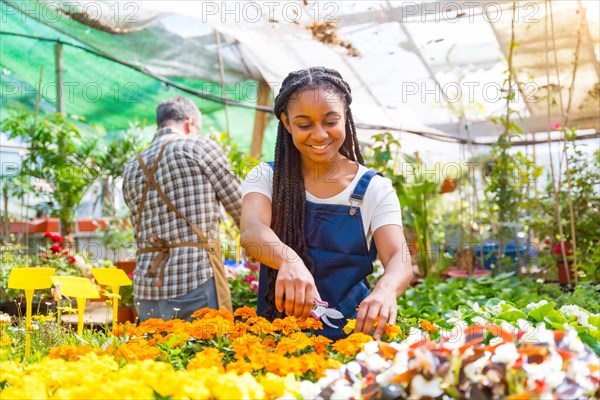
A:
(433, 68)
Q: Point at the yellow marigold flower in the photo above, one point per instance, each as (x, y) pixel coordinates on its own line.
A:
(428, 326)
(44, 318)
(232, 386)
(29, 388)
(350, 326)
(352, 344)
(245, 312)
(276, 387)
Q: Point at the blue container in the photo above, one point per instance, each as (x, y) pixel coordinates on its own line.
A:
(489, 252)
(510, 260)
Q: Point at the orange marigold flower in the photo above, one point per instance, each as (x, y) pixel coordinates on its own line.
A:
(209, 357)
(312, 362)
(282, 365)
(269, 342)
(287, 325)
(428, 326)
(291, 344)
(136, 350)
(152, 325)
(392, 332)
(352, 344)
(208, 313)
(310, 323)
(245, 312)
(70, 352)
(246, 348)
(240, 367)
(320, 343)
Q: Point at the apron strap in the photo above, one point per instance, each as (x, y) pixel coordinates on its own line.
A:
(213, 249)
(150, 175)
(358, 194)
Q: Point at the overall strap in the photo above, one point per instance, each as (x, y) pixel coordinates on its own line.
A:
(150, 175)
(358, 194)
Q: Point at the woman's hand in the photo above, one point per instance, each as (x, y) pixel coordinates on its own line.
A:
(395, 258)
(296, 284)
(381, 303)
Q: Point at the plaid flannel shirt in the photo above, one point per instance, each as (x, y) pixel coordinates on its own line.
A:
(196, 177)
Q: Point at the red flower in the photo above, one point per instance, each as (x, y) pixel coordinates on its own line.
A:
(56, 248)
(249, 279)
(72, 260)
(55, 238)
(568, 249)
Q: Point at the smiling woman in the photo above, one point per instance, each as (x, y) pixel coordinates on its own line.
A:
(314, 218)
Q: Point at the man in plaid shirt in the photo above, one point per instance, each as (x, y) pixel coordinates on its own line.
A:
(173, 275)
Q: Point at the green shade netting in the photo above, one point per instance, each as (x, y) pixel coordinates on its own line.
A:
(102, 91)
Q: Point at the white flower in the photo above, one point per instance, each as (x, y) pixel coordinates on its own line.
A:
(310, 390)
(580, 372)
(371, 348)
(506, 354)
(473, 370)
(538, 334)
(479, 320)
(475, 307)
(575, 344)
(497, 309)
(342, 390)
(376, 363)
(419, 387)
(496, 340)
(540, 303)
(354, 368)
(577, 312)
(415, 336)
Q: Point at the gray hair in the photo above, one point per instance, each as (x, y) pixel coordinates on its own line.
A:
(177, 109)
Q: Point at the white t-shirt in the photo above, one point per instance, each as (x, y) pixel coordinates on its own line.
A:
(380, 205)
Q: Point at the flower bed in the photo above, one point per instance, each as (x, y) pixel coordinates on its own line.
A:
(240, 355)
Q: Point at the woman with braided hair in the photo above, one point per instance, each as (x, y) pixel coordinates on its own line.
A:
(312, 217)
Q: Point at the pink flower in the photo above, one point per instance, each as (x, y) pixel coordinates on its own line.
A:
(130, 275)
(254, 286)
(556, 125)
(249, 279)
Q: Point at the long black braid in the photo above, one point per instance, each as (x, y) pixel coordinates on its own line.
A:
(289, 197)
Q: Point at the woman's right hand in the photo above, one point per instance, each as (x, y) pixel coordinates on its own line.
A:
(297, 286)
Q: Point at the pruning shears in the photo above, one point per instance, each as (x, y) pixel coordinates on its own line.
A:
(321, 311)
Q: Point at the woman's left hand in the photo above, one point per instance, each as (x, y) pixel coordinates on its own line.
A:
(395, 258)
(381, 303)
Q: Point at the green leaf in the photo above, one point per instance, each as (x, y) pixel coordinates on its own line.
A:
(555, 320)
(539, 313)
(594, 320)
(512, 315)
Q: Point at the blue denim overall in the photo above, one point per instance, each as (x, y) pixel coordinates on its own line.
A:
(338, 247)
